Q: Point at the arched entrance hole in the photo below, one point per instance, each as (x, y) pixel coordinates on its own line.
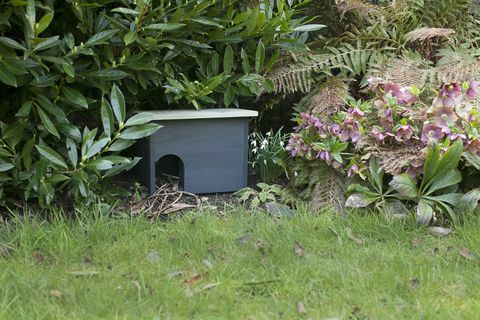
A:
(170, 168)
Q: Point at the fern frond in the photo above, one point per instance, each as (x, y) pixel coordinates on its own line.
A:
(329, 98)
(409, 73)
(423, 34)
(363, 8)
(299, 77)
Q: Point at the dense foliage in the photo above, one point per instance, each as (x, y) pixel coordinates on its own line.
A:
(395, 129)
(387, 86)
(62, 61)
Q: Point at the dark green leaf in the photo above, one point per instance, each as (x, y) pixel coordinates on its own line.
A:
(11, 43)
(424, 213)
(140, 131)
(139, 118)
(121, 144)
(48, 123)
(47, 43)
(118, 104)
(100, 38)
(6, 166)
(7, 78)
(51, 155)
(405, 185)
(107, 117)
(259, 57)
(228, 60)
(166, 26)
(74, 97)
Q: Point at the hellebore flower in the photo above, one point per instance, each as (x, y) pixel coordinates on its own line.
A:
(404, 133)
(403, 95)
(449, 95)
(325, 156)
(473, 146)
(380, 135)
(335, 129)
(350, 130)
(356, 113)
(445, 115)
(352, 171)
(473, 89)
(386, 116)
(432, 131)
(456, 136)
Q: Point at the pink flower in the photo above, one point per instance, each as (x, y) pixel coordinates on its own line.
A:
(445, 115)
(404, 133)
(356, 113)
(432, 132)
(473, 146)
(379, 134)
(352, 171)
(335, 129)
(473, 89)
(449, 96)
(350, 130)
(403, 95)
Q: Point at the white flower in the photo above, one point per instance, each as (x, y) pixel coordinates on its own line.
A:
(282, 144)
(254, 150)
(254, 143)
(269, 133)
(264, 144)
(265, 162)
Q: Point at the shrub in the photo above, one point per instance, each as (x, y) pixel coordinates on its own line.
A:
(60, 60)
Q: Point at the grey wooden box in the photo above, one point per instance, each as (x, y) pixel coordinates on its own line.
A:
(207, 148)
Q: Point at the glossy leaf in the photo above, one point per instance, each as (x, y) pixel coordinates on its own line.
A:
(100, 38)
(139, 131)
(51, 155)
(139, 118)
(118, 104)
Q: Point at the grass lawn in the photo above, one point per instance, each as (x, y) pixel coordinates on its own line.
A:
(241, 266)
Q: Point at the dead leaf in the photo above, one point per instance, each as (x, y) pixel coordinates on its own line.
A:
(298, 249)
(416, 242)
(414, 282)
(301, 308)
(244, 239)
(210, 286)
(353, 238)
(262, 246)
(177, 207)
(439, 231)
(208, 264)
(153, 257)
(189, 292)
(196, 277)
(38, 256)
(467, 254)
(174, 274)
(55, 293)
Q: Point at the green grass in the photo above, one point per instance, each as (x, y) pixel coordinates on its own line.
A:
(400, 272)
